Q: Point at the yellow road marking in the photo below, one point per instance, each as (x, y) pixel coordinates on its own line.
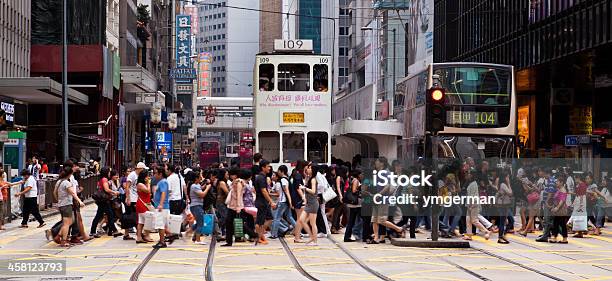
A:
(528, 241)
(600, 238)
(98, 242)
(580, 243)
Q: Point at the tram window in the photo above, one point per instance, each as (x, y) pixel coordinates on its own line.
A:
(320, 77)
(293, 77)
(266, 77)
(293, 146)
(269, 146)
(317, 147)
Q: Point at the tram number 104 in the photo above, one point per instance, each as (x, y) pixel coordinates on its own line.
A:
(471, 118)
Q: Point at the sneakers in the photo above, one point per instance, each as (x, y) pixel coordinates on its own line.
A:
(200, 242)
(48, 234)
(321, 235)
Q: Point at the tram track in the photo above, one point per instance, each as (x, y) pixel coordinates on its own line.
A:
(526, 267)
(346, 251)
(143, 264)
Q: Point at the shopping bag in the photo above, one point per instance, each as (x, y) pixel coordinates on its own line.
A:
(174, 224)
(207, 225)
(161, 219)
(149, 222)
(579, 223)
(329, 194)
(238, 230)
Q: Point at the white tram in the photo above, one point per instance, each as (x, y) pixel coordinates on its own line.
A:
(292, 101)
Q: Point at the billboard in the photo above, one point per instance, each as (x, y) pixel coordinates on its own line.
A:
(204, 73)
(419, 40)
(183, 46)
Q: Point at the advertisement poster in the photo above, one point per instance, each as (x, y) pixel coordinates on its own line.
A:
(523, 124)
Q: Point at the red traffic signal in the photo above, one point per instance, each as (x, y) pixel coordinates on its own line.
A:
(436, 110)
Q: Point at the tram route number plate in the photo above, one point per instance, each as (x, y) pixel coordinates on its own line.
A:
(293, 117)
(471, 118)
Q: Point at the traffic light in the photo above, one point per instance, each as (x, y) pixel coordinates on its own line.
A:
(436, 112)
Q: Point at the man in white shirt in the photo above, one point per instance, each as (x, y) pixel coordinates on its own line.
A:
(30, 201)
(175, 191)
(34, 168)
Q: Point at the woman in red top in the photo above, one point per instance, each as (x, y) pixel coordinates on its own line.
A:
(143, 205)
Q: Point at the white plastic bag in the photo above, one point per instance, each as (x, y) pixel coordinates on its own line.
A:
(329, 194)
(174, 224)
(149, 221)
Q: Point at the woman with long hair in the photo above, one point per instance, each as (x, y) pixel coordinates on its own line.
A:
(143, 205)
(504, 200)
(312, 204)
(353, 206)
(104, 204)
(197, 193)
(222, 190)
(559, 211)
(298, 198)
(65, 194)
(338, 180)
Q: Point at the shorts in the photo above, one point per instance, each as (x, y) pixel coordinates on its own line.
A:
(165, 213)
(141, 218)
(264, 213)
(380, 213)
(66, 211)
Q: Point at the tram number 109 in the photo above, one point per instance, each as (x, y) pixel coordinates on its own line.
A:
(293, 45)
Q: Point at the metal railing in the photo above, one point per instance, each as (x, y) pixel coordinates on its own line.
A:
(46, 199)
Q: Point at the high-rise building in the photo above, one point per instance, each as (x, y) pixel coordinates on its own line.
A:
(15, 38)
(270, 24)
(232, 37)
(309, 22)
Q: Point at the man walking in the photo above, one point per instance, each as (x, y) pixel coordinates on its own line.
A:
(30, 201)
(163, 206)
(263, 202)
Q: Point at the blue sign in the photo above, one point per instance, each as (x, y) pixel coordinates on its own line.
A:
(183, 45)
(163, 139)
(183, 73)
(571, 140)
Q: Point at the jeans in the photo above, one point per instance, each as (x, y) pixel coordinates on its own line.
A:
(221, 211)
(453, 211)
(510, 225)
(353, 214)
(104, 208)
(501, 222)
(547, 222)
(198, 214)
(601, 216)
(282, 210)
(30, 206)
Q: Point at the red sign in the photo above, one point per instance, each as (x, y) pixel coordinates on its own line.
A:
(600, 131)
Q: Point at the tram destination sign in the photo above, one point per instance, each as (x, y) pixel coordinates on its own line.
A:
(472, 118)
(293, 117)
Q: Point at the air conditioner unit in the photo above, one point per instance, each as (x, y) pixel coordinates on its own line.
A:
(562, 96)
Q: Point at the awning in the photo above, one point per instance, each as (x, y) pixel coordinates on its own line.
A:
(39, 90)
(367, 127)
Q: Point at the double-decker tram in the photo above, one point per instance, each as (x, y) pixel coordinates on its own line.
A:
(292, 101)
(480, 111)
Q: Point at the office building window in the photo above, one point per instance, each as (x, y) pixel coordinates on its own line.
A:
(223, 14)
(344, 12)
(223, 25)
(343, 51)
(223, 57)
(344, 30)
(223, 36)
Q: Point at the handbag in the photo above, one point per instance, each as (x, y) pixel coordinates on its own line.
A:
(129, 220)
(350, 197)
(100, 195)
(149, 206)
(533, 197)
(238, 228)
(328, 193)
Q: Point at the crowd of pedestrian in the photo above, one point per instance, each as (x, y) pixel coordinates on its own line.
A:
(313, 200)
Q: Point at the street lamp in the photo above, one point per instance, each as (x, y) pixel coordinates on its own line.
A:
(392, 96)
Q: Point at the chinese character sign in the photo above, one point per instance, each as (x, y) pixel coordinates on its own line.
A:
(183, 42)
(204, 74)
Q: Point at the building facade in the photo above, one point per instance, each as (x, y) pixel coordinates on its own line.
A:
(561, 54)
(232, 37)
(15, 38)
